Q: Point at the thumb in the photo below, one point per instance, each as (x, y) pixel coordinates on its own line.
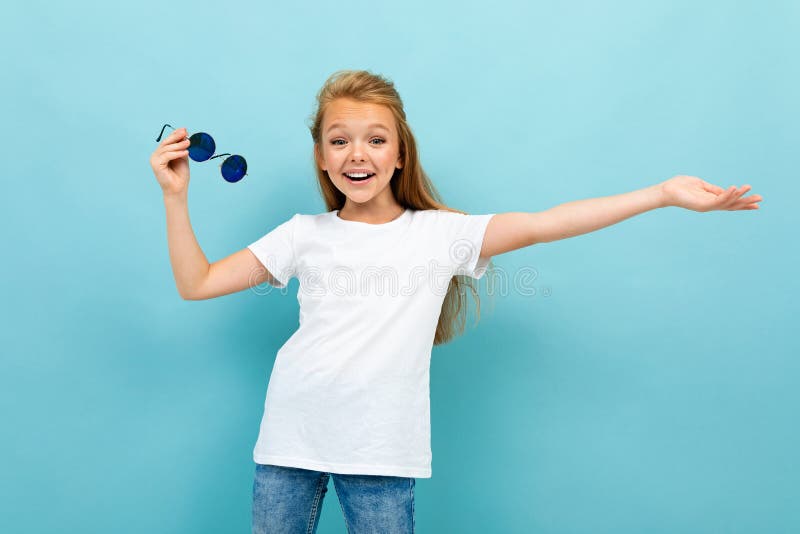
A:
(713, 188)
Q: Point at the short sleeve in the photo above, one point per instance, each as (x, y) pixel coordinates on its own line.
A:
(464, 240)
(276, 251)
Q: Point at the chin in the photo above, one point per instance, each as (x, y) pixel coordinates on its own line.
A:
(359, 199)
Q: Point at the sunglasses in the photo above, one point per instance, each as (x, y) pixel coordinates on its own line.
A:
(201, 148)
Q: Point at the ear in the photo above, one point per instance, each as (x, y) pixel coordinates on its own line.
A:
(319, 158)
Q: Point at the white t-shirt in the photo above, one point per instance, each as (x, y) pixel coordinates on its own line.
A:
(349, 390)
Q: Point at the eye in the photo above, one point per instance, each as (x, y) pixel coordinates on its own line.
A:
(335, 142)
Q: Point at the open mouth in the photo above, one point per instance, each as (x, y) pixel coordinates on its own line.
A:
(359, 178)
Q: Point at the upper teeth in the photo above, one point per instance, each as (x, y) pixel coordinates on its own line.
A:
(357, 174)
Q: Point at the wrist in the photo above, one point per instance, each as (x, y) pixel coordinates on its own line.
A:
(659, 198)
(175, 198)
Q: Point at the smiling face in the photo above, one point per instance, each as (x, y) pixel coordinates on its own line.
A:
(359, 136)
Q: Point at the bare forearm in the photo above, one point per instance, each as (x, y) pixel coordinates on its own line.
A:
(189, 264)
(584, 216)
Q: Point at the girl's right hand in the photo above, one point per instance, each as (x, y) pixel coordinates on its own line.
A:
(170, 163)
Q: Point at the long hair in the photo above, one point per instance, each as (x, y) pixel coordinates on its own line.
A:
(410, 185)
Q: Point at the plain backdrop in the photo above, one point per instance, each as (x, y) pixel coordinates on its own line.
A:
(646, 383)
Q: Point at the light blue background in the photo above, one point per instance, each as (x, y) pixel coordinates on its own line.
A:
(650, 384)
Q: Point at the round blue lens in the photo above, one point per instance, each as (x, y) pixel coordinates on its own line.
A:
(234, 168)
(201, 146)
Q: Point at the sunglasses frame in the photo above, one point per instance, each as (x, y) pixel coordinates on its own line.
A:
(212, 157)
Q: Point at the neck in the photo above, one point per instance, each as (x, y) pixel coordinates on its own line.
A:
(371, 213)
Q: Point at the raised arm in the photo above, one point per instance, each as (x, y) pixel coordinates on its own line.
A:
(194, 277)
(511, 231)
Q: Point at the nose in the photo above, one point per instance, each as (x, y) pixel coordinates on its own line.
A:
(358, 152)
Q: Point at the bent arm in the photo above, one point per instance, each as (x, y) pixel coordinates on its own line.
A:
(195, 278)
(240, 270)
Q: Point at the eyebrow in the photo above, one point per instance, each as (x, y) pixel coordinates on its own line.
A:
(373, 125)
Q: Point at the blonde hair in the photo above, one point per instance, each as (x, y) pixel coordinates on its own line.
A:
(410, 185)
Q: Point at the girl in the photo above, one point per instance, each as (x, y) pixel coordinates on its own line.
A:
(348, 395)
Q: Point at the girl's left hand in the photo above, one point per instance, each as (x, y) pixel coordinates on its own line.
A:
(695, 194)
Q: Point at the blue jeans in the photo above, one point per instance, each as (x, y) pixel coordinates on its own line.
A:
(287, 500)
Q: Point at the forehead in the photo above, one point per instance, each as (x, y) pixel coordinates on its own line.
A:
(353, 114)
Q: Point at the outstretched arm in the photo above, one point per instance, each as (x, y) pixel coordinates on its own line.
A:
(510, 231)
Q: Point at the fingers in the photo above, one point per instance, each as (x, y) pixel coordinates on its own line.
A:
(174, 137)
(175, 145)
(732, 193)
(168, 155)
(732, 199)
(180, 145)
(751, 203)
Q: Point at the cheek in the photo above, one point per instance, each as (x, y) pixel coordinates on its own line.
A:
(387, 160)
